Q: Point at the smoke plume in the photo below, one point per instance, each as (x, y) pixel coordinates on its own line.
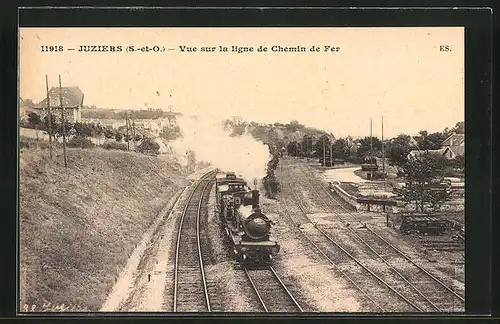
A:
(244, 155)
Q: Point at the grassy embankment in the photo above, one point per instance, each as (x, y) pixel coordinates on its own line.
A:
(79, 225)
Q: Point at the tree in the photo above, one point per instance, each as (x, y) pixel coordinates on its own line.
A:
(271, 184)
(307, 145)
(148, 145)
(28, 103)
(272, 136)
(98, 131)
(57, 129)
(53, 121)
(293, 126)
(322, 143)
(108, 133)
(366, 144)
(292, 148)
(426, 141)
(423, 177)
(83, 129)
(398, 150)
(238, 130)
(459, 128)
(118, 137)
(340, 149)
(34, 120)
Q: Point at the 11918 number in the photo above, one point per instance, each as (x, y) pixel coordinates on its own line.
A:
(52, 48)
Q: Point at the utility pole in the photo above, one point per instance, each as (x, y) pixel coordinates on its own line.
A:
(62, 121)
(331, 152)
(49, 115)
(383, 151)
(133, 133)
(371, 150)
(324, 151)
(128, 139)
(309, 148)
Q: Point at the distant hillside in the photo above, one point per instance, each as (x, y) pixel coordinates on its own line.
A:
(78, 226)
(278, 134)
(120, 114)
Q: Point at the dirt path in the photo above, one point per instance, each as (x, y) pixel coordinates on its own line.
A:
(141, 284)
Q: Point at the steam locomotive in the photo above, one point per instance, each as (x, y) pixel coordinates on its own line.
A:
(246, 226)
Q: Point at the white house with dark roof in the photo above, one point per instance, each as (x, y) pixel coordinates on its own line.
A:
(446, 152)
(456, 143)
(72, 100)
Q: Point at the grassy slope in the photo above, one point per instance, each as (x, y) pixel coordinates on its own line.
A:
(78, 226)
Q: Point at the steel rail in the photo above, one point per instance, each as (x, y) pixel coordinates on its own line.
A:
(357, 261)
(202, 268)
(286, 289)
(313, 186)
(281, 283)
(323, 253)
(256, 290)
(179, 234)
(381, 238)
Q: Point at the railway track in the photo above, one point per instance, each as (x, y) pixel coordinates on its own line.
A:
(428, 292)
(301, 218)
(190, 285)
(272, 293)
(381, 291)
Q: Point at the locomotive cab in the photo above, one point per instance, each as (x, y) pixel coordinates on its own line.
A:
(244, 223)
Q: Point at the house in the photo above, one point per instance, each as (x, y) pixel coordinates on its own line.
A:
(72, 100)
(446, 152)
(456, 143)
(23, 114)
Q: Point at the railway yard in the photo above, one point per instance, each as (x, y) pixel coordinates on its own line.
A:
(332, 259)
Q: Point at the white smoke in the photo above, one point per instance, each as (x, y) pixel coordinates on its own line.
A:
(244, 155)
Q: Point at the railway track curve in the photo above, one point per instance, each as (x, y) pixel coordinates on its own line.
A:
(190, 285)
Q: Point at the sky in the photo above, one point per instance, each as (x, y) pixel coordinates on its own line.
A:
(397, 73)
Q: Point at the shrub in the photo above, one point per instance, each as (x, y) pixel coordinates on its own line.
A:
(148, 146)
(114, 146)
(79, 141)
(354, 159)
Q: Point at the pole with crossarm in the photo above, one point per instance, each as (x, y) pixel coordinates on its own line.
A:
(62, 121)
(49, 116)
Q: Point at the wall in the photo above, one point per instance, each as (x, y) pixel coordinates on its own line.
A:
(359, 205)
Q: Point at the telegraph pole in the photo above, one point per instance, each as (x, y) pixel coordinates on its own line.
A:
(62, 121)
(49, 115)
(133, 133)
(128, 139)
(383, 151)
(324, 151)
(371, 150)
(331, 152)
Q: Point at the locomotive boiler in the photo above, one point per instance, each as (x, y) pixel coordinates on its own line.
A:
(248, 229)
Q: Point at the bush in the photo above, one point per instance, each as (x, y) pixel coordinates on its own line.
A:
(29, 143)
(148, 146)
(82, 142)
(114, 146)
(355, 159)
(271, 185)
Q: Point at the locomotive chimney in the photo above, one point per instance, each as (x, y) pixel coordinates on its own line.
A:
(251, 198)
(255, 198)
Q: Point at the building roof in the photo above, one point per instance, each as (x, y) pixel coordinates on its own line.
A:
(454, 140)
(416, 153)
(72, 97)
